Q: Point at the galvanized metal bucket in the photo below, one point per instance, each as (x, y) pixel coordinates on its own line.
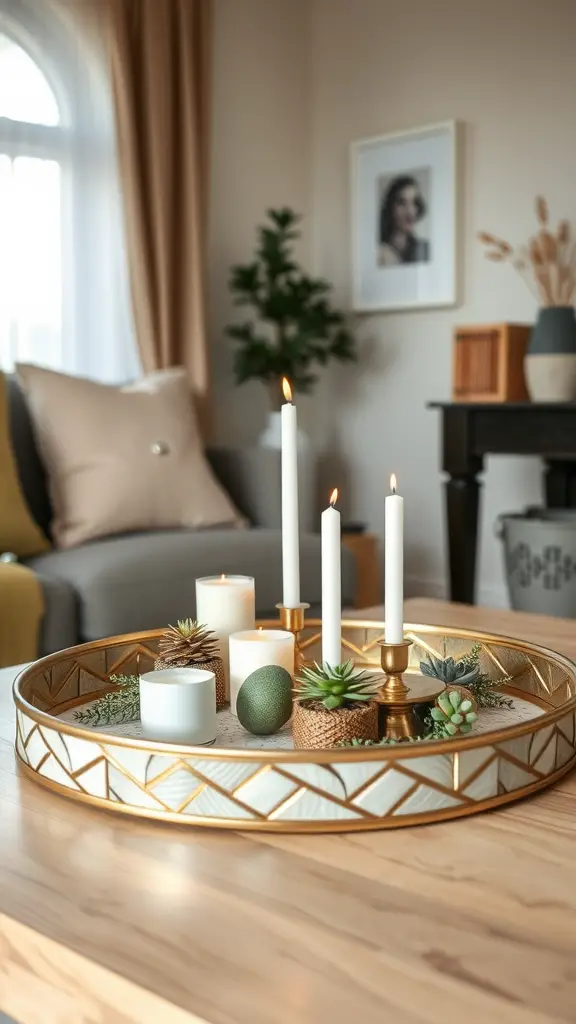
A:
(539, 547)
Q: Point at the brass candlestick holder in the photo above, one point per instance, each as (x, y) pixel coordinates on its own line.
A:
(292, 619)
(397, 701)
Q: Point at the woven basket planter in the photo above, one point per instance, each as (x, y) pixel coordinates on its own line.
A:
(215, 665)
(315, 728)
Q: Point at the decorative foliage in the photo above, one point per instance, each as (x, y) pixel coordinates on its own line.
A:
(466, 672)
(293, 326)
(384, 742)
(187, 642)
(450, 671)
(547, 262)
(453, 713)
(121, 705)
(336, 686)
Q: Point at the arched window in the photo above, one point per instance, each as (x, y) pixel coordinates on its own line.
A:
(63, 278)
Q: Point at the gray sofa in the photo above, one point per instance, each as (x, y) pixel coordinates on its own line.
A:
(145, 580)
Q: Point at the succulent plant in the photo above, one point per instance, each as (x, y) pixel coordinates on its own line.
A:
(454, 712)
(466, 672)
(449, 670)
(336, 686)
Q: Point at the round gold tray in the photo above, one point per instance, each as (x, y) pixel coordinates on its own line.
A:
(287, 790)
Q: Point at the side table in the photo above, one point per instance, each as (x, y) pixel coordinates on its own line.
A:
(364, 547)
(472, 430)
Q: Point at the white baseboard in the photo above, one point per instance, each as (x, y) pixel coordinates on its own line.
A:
(491, 595)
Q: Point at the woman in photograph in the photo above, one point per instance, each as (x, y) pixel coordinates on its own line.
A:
(401, 208)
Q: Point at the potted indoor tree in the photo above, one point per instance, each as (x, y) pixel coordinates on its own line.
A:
(291, 329)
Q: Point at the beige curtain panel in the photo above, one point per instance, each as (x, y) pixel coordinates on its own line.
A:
(160, 58)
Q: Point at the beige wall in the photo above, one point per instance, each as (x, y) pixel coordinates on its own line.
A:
(505, 68)
(260, 159)
(295, 83)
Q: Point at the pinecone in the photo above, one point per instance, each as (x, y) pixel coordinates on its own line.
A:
(187, 643)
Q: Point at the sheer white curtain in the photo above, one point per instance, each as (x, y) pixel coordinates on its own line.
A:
(64, 293)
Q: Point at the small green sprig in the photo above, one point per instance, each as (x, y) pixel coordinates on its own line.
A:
(114, 708)
(335, 686)
(384, 742)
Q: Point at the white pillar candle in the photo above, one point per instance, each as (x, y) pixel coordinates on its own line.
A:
(331, 584)
(290, 534)
(178, 705)
(225, 604)
(394, 566)
(256, 648)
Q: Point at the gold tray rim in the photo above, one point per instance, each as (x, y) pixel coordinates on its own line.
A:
(311, 826)
(272, 756)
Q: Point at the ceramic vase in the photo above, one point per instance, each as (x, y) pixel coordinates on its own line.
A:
(550, 363)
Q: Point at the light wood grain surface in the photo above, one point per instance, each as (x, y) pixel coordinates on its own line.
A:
(106, 919)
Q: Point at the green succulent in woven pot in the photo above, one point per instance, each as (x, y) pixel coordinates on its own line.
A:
(334, 704)
(191, 644)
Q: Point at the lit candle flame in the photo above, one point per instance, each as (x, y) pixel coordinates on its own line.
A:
(334, 497)
(286, 389)
(393, 483)
(223, 576)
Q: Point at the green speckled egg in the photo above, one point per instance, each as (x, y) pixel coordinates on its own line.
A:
(264, 701)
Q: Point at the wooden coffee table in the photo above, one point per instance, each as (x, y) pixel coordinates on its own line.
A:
(112, 919)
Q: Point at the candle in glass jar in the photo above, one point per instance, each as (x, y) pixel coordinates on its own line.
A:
(331, 584)
(394, 566)
(256, 648)
(225, 604)
(290, 530)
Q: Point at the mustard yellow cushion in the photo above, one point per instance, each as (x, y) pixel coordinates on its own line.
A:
(18, 531)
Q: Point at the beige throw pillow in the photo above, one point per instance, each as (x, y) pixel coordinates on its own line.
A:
(122, 459)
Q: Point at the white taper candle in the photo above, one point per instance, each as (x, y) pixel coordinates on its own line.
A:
(331, 584)
(290, 532)
(394, 566)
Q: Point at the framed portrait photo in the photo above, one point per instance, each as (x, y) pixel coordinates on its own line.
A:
(404, 219)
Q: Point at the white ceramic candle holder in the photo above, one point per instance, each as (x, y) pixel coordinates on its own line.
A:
(255, 648)
(178, 705)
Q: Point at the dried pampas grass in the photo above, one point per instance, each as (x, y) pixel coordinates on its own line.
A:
(548, 261)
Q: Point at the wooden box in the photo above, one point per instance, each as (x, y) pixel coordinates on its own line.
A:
(488, 363)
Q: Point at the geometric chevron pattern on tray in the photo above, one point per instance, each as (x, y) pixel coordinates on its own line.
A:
(288, 790)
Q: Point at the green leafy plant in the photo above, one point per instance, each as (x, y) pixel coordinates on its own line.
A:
(384, 742)
(466, 672)
(114, 708)
(453, 713)
(293, 327)
(335, 686)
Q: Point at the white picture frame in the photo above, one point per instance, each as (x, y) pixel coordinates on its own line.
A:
(404, 219)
